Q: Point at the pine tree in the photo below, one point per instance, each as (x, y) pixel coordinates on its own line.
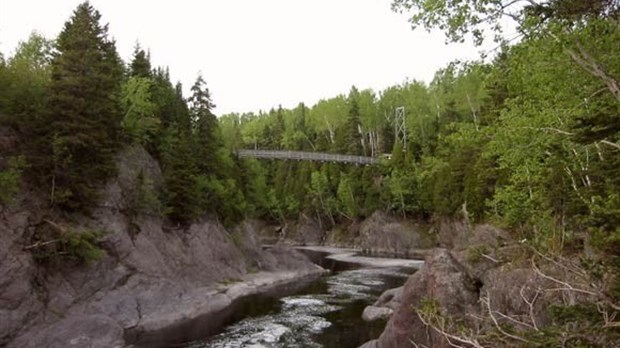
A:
(182, 199)
(171, 107)
(351, 139)
(206, 126)
(141, 63)
(84, 110)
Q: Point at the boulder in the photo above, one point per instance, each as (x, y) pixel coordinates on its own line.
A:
(390, 298)
(385, 305)
(372, 313)
(445, 281)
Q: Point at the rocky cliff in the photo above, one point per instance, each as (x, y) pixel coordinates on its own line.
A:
(380, 234)
(480, 289)
(154, 281)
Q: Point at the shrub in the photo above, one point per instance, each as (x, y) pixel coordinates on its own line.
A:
(10, 179)
(57, 244)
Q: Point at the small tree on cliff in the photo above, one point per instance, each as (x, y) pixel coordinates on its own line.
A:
(84, 110)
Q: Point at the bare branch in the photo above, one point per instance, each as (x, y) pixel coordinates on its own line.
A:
(550, 129)
(450, 337)
(617, 146)
(562, 265)
(489, 257)
(597, 70)
(509, 318)
(416, 345)
(56, 226)
(41, 243)
(530, 304)
(566, 286)
(487, 302)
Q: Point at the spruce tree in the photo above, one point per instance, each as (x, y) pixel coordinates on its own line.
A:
(141, 63)
(182, 196)
(84, 109)
(206, 126)
(351, 139)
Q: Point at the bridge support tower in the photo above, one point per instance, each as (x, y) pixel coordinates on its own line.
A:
(400, 126)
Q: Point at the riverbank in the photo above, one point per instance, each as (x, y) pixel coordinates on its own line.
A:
(326, 313)
(150, 279)
(206, 310)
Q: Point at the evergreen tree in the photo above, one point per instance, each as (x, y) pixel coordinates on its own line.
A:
(171, 107)
(141, 63)
(181, 174)
(351, 139)
(206, 127)
(84, 109)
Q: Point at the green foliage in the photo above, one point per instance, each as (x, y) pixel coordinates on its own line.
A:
(10, 179)
(346, 197)
(198, 169)
(404, 193)
(25, 81)
(139, 123)
(181, 175)
(143, 196)
(84, 114)
(321, 194)
(141, 63)
(54, 246)
(474, 253)
(529, 140)
(82, 246)
(350, 139)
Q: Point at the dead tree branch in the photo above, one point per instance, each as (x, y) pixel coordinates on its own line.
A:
(451, 338)
(487, 302)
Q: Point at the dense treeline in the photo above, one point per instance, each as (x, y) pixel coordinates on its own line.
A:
(73, 103)
(529, 140)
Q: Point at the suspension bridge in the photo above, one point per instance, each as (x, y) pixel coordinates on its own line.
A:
(308, 156)
(400, 130)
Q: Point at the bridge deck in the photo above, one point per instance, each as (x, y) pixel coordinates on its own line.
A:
(307, 156)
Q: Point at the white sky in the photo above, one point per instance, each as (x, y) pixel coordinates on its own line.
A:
(256, 54)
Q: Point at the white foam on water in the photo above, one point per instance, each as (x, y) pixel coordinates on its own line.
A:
(301, 302)
(301, 316)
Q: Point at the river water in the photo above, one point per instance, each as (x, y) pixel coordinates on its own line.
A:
(327, 313)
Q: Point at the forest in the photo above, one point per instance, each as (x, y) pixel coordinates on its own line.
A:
(527, 139)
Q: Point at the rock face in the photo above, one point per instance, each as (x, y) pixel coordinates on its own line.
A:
(458, 235)
(380, 234)
(477, 275)
(306, 232)
(441, 278)
(388, 235)
(153, 276)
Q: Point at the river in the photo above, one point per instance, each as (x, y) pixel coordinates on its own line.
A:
(326, 313)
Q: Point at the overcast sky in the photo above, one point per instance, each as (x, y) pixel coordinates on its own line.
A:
(256, 54)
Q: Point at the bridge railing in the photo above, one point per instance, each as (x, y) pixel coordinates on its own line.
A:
(307, 156)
